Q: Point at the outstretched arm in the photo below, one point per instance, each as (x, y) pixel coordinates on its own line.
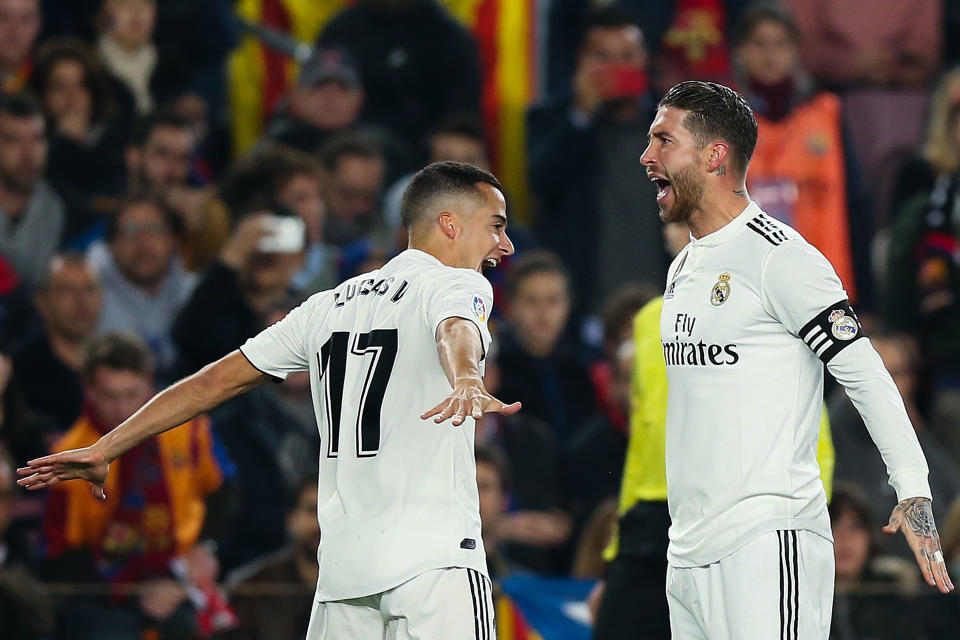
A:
(211, 386)
(460, 350)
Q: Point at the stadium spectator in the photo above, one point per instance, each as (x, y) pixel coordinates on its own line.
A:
(278, 174)
(416, 62)
(25, 608)
(858, 464)
(68, 299)
(582, 150)
(144, 280)
(493, 487)
(159, 157)
(327, 99)
(353, 181)
(539, 368)
(86, 140)
(234, 295)
(804, 170)
(32, 216)
(155, 511)
(20, 22)
(854, 43)
(273, 596)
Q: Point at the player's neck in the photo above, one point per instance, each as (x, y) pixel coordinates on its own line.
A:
(439, 249)
(717, 210)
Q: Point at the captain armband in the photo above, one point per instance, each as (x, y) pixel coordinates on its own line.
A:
(832, 330)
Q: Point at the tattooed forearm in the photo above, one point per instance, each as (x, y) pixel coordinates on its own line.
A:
(918, 515)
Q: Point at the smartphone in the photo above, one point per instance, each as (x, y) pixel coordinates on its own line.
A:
(285, 234)
(626, 80)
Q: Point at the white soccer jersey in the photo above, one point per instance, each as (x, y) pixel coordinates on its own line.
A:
(750, 314)
(397, 494)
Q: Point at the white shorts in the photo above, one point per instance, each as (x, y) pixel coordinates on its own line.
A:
(779, 586)
(443, 604)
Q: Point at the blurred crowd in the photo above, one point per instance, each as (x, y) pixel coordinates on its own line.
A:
(175, 176)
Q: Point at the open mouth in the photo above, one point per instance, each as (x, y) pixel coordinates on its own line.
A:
(663, 187)
(490, 263)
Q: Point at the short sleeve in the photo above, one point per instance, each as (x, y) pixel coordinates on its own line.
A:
(281, 349)
(464, 294)
(801, 289)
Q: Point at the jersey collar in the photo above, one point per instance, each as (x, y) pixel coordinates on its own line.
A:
(729, 230)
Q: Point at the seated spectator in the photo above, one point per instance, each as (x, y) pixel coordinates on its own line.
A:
(860, 463)
(582, 152)
(804, 170)
(532, 535)
(86, 140)
(353, 180)
(327, 99)
(32, 216)
(20, 22)
(144, 280)
(588, 561)
(16, 308)
(407, 50)
(68, 299)
(493, 487)
(278, 174)
(25, 609)
(858, 611)
(540, 369)
(273, 596)
(860, 43)
(234, 296)
(159, 158)
(147, 531)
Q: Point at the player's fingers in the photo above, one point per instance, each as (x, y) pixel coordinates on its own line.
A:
(923, 561)
(476, 408)
(938, 565)
(894, 524)
(447, 411)
(98, 492)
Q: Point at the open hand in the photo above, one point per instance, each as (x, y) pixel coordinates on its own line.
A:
(914, 517)
(469, 398)
(84, 464)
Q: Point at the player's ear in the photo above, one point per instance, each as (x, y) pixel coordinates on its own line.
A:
(718, 155)
(448, 224)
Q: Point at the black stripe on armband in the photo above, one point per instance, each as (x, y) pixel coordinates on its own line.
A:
(832, 330)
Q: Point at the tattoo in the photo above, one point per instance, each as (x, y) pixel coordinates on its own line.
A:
(722, 170)
(918, 514)
(741, 192)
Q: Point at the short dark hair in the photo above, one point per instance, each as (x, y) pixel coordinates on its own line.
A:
(255, 182)
(20, 105)
(759, 13)
(174, 222)
(850, 497)
(716, 112)
(496, 459)
(117, 351)
(349, 144)
(466, 125)
(95, 78)
(159, 118)
(622, 305)
(301, 483)
(612, 16)
(70, 256)
(440, 179)
(532, 263)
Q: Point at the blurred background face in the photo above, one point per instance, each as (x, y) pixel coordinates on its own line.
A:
(539, 311)
(614, 45)
(769, 54)
(66, 90)
(23, 152)
(71, 304)
(352, 190)
(493, 500)
(131, 22)
(116, 395)
(897, 362)
(302, 195)
(144, 245)
(164, 159)
(7, 496)
(329, 105)
(302, 523)
(268, 275)
(460, 149)
(19, 26)
(851, 545)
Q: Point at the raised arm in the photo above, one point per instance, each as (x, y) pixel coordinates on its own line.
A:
(461, 349)
(211, 386)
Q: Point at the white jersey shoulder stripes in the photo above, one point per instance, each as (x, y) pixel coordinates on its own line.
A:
(397, 494)
(751, 313)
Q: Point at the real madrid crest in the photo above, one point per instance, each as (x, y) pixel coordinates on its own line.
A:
(721, 290)
(843, 326)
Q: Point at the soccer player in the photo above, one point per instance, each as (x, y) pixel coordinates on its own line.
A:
(401, 553)
(751, 313)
